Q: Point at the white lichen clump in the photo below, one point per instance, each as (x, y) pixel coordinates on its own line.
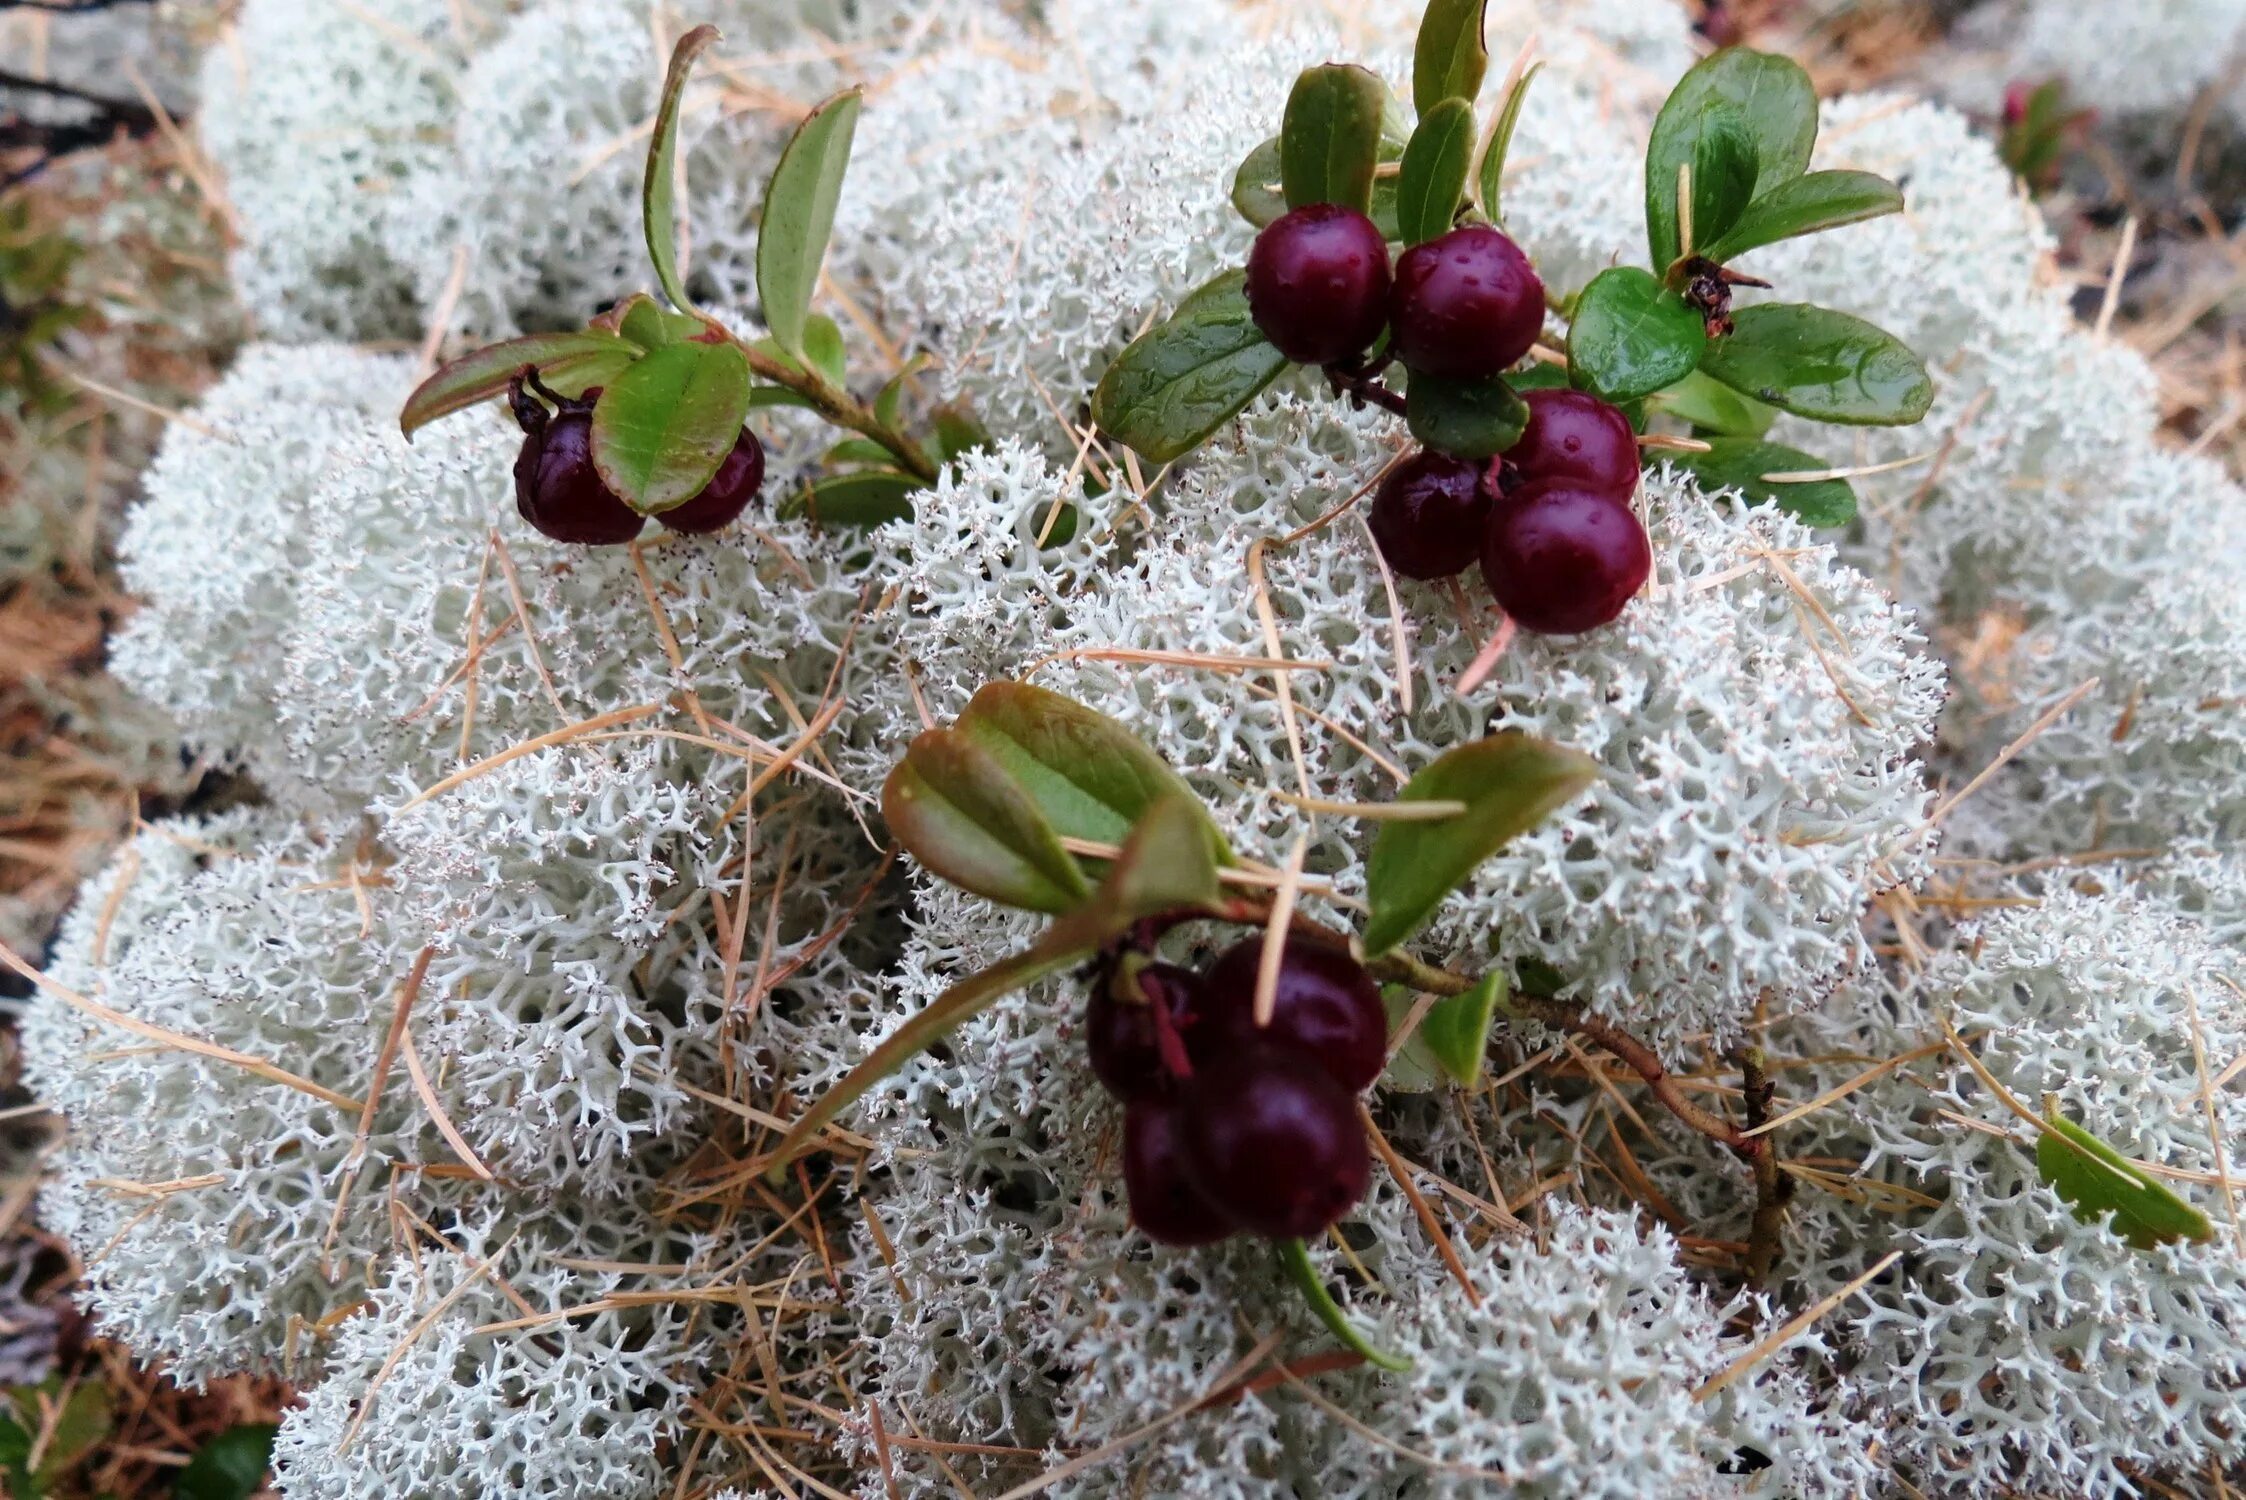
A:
(570, 858)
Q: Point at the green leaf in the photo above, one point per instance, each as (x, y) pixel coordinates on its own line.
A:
(1805, 205)
(1091, 777)
(1456, 1028)
(1631, 336)
(1723, 179)
(1431, 183)
(799, 210)
(1492, 172)
(84, 1422)
(1412, 1068)
(1815, 362)
(856, 450)
(1770, 99)
(861, 501)
(822, 348)
(15, 1459)
(661, 429)
(643, 321)
(1713, 407)
(1294, 1256)
(2096, 1180)
(958, 431)
(230, 1466)
(889, 404)
(1741, 463)
(1450, 55)
(658, 205)
(477, 377)
(766, 396)
(1164, 867)
(956, 808)
(1465, 418)
(1329, 142)
(1256, 190)
(1183, 379)
(1509, 782)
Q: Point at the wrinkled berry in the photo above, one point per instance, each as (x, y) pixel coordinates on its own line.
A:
(1326, 1009)
(1274, 1143)
(1429, 513)
(1562, 559)
(1465, 305)
(1318, 283)
(728, 493)
(1574, 436)
(1165, 1206)
(1125, 1040)
(557, 489)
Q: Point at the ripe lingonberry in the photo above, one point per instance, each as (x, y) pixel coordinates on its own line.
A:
(1167, 1207)
(1563, 559)
(1318, 283)
(557, 488)
(1574, 436)
(1465, 305)
(1274, 1143)
(1326, 1010)
(1429, 513)
(728, 493)
(1125, 1038)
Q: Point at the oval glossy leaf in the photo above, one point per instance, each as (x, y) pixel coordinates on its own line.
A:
(1713, 407)
(1464, 418)
(2096, 1180)
(1164, 867)
(476, 378)
(1816, 362)
(1185, 378)
(1723, 179)
(1491, 173)
(1509, 783)
(662, 427)
(645, 322)
(1431, 183)
(861, 501)
(1769, 98)
(231, 1466)
(957, 810)
(799, 209)
(1450, 56)
(1631, 336)
(1329, 142)
(1743, 464)
(1805, 205)
(1256, 190)
(658, 203)
(1091, 777)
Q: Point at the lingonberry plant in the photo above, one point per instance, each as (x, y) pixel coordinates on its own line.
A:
(1460, 308)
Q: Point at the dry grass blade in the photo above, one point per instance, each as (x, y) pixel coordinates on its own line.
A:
(1275, 932)
(437, 1115)
(1793, 1330)
(561, 736)
(414, 1335)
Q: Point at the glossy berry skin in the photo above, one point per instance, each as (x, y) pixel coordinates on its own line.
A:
(728, 493)
(1327, 1009)
(1123, 1037)
(1465, 305)
(1574, 436)
(1274, 1143)
(1429, 515)
(1562, 559)
(1318, 283)
(1167, 1208)
(557, 489)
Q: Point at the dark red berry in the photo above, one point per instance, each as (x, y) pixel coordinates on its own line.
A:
(1326, 1009)
(1124, 1038)
(1465, 305)
(1318, 283)
(727, 494)
(1563, 559)
(1573, 435)
(1165, 1206)
(1429, 514)
(557, 489)
(1274, 1143)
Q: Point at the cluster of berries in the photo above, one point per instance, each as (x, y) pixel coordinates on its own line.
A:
(560, 492)
(1550, 519)
(1229, 1126)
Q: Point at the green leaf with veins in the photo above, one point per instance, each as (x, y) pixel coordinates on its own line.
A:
(1257, 194)
(1769, 99)
(1164, 866)
(1744, 464)
(957, 809)
(1186, 377)
(1474, 418)
(1816, 362)
(1631, 336)
(1723, 178)
(799, 208)
(594, 354)
(1509, 782)
(1431, 183)
(1329, 141)
(1713, 407)
(663, 426)
(863, 500)
(2097, 1181)
(1450, 55)
(1810, 203)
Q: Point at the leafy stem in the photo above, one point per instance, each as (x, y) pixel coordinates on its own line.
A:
(841, 408)
(1295, 1257)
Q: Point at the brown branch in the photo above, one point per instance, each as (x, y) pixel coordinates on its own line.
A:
(1773, 1188)
(841, 408)
(1361, 384)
